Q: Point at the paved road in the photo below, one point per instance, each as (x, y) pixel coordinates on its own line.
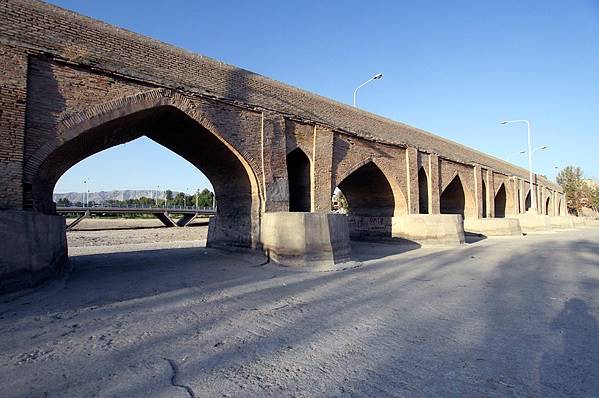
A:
(498, 318)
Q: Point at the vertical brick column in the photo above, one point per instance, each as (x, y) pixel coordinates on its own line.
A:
(412, 179)
(515, 195)
(13, 99)
(322, 170)
(274, 167)
(490, 194)
(478, 191)
(434, 190)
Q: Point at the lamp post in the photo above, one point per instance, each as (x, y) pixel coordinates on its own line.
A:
(375, 77)
(533, 201)
(84, 192)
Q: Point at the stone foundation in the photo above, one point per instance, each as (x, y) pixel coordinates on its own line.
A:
(314, 240)
(562, 222)
(365, 227)
(33, 249)
(532, 222)
(493, 226)
(429, 229)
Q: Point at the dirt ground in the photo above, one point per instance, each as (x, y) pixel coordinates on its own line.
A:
(505, 317)
(96, 235)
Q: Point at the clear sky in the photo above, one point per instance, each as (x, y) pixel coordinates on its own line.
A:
(454, 68)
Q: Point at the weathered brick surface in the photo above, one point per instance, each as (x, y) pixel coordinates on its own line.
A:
(85, 41)
(13, 96)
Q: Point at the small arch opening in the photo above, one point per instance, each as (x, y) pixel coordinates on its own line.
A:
(500, 202)
(484, 199)
(527, 202)
(298, 173)
(422, 191)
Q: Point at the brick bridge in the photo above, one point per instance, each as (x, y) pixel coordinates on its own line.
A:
(72, 86)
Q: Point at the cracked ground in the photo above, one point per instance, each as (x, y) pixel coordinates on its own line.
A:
(496, 318)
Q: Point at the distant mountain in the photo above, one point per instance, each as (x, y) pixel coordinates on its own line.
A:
(104, 196)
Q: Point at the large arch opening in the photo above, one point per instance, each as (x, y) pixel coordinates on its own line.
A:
(527, 202)
(422, 191)
(500, 202)
(371, 202)
(454, 200)
(298, 173)
(236, 220)
(548, 206)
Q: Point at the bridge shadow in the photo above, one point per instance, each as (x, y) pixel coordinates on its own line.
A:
(453, 327)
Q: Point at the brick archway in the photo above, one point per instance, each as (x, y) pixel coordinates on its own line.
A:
(174, 122)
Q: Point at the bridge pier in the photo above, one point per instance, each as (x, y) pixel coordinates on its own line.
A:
(308, 240)
(429, 229)
(186, 219)
(33, 248)
(493, 226)
(165, 219)
(78, 220)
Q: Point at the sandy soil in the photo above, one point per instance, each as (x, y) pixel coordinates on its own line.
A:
(512, 317)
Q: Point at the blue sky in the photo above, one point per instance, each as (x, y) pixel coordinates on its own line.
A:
(455, 68)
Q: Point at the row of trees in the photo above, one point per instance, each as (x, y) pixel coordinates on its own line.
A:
(580, 193)
(201, 199)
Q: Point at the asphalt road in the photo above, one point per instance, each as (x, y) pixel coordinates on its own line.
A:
(498, 318)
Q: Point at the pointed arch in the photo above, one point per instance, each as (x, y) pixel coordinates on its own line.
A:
(548, 206)
(299, 176)
(500, 202)
(174, 122)
(373, 199)
(456, 200)
(422, 191)
(527, 202)
(484, 192)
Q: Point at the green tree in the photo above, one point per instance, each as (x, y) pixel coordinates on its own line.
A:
(204, 198)
(63, 202)
(570, 179)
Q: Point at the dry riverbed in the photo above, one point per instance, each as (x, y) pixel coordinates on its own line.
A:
(511, 317)
(97, 235)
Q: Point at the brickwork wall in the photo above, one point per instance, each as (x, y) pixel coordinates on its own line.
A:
(13, 96)
(78, 66)
(95, 44)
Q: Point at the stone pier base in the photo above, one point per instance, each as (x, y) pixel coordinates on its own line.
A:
(429, 229)
(562, 222)
(532, 222)
(33, 247)
(493, 226)
(313, 240)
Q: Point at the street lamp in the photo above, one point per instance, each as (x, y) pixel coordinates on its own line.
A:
(84, 192)
(375, 77)
(533, 202)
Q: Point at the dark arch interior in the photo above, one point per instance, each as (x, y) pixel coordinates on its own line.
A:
(370, 202)
(178, 132)
(547, 205)
(453, 199)
(484, 199)
(527, 202)
(422, 192)
(500, 202)
(298, 172)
